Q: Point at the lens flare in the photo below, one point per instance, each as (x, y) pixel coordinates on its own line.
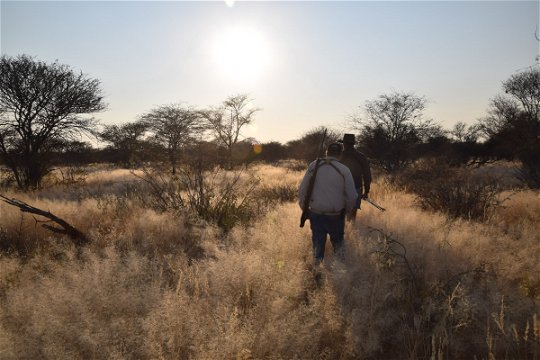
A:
(257, 148)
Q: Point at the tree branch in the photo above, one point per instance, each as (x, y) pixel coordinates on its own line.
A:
(65, 228)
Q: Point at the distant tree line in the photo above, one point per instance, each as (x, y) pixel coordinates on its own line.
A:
(45, 108)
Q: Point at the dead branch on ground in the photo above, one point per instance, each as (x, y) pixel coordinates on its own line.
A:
(65, 228)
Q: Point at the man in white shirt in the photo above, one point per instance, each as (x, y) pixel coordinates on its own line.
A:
(333, 195)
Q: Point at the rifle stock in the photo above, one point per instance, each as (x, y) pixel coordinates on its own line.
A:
(305, 207)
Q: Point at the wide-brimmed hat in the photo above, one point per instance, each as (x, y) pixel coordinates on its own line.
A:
(348, 139)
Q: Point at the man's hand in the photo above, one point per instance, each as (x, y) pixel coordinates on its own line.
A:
(351, 215)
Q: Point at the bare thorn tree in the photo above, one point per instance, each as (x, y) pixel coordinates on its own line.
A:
(525, 88)
(463, 133)
(40, 108)
(227, 121)
(512, 127)
(391, 126)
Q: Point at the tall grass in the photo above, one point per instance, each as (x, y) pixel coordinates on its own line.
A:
(150, 284)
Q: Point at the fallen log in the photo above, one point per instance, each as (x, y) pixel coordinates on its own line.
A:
(65, 228)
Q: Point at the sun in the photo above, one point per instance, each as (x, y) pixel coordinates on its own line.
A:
(242, 53)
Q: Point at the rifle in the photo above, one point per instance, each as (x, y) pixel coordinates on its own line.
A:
(374, 204)
(305, 208)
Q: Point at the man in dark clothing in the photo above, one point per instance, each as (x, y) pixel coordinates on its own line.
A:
(360, 170)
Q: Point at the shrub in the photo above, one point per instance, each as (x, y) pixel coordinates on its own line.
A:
(67, 176)
(458, 192)
(217, 196)
(279, 193)
(292, 165)
(529, 174)
(7, 180)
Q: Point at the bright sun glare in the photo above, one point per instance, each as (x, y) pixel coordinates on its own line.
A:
(241, 53)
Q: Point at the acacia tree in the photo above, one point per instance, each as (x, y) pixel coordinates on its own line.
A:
(41, 107)
(521, 99)
(126, 140)
(173, 127)
(391, 127)
(308, 145)
(525, 88)
(463, 133)
(512, 126)
(462, 147)
(226, 121)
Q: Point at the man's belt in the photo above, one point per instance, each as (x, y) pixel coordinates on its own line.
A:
(327, 213)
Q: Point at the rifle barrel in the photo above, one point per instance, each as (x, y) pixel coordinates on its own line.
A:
(375, 204)
(305, 208)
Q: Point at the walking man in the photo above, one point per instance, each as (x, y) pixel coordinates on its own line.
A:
(358, 164)
(333, 195)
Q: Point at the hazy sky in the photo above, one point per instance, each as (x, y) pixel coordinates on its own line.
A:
(304, 63)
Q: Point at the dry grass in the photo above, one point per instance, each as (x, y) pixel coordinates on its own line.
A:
(152, 285)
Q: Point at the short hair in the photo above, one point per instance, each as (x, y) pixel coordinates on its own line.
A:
(334, 149)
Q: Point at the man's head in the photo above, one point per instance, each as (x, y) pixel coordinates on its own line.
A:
(334, 149)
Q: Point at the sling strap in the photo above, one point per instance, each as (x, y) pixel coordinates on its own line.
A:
(329, 162)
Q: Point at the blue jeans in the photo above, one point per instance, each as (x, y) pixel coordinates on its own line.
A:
(321, 225)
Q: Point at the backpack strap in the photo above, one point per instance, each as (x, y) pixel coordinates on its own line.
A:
(329, 162)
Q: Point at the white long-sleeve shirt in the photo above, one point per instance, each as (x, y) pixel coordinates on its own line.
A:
(333, 191)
